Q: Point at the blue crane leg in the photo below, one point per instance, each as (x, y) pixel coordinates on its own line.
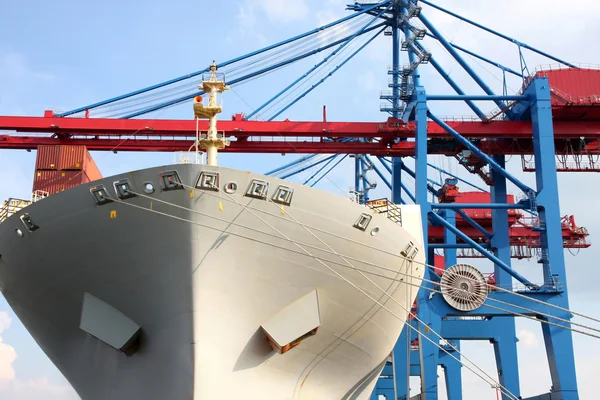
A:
(397, 179)
(397, 182)
(357, 173)
(452, 368)
(401, 359)
(452, 372)
(558, 341)
(396, 161)
(505, 346)
(431, 321)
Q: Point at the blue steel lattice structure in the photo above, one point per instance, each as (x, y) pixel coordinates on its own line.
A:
(408, 101)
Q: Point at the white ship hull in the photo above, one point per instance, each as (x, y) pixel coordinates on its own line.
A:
(204, 275)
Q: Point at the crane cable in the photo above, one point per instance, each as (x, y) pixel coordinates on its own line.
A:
(312, 43)
(346, 280)
(349, 264)
(320, 73)
(537, 312)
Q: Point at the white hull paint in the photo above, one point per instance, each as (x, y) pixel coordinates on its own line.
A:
(200, 281)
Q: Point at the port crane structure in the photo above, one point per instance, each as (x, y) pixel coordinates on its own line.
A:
(552, 123)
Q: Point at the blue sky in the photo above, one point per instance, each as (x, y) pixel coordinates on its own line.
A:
(68, 54)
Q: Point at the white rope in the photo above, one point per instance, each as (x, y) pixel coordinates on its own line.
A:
(384, 292)
(366, 294)
(537, 312)
(504, 389)
(488, 285)
(493, 382)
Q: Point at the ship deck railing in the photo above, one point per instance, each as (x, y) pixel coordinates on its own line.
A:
(11, 207)
(384, 206)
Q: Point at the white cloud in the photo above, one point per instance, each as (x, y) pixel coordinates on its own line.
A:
(276, 11)
(325, 17)
(528, 339)
(41, 385)
(251, 14)
(8, 355)
(5, 321)
(281, 11)
(12, 388)
(35, 389)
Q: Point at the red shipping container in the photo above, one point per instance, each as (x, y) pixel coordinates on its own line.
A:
(90, 167)
(479, 197)
(578, 85)
(72, 157)
(57, 181)
(67, 157)
(482, 215)
(47, 157)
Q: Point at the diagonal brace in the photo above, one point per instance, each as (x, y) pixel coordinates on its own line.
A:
(482, 250)
(460, 60)
(459, 138)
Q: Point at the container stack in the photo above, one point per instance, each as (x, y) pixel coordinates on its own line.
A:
(61, 167)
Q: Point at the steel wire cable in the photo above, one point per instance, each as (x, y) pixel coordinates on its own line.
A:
(436, 283)
(403, 320)
(192, 91)
(309, 43)
(305, 81)
(353, 51)
(349, 49)
(146, 97)
(184, 86)
(493, 287)
(118, 109)
(514, 313)
(301, 164)
(384, 292)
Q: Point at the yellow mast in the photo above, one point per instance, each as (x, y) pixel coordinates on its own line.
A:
(212, 141)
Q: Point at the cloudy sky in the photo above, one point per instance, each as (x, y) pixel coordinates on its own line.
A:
(68, 54)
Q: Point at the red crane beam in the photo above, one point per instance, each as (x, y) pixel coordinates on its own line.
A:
(238, 127)
(290, 145)
(289, 137)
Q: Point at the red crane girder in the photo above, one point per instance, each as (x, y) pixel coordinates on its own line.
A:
(238, 127)
(287, 136)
